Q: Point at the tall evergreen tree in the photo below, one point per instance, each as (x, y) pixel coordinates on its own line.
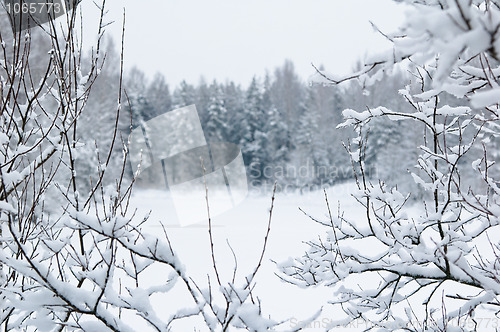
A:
(252, 123)
(158, 94)
(184, 95)
(203, 99)
(234, 98)
(287, 95)
(141, 109)
(216, 126)
(310, 145)
(276, 129)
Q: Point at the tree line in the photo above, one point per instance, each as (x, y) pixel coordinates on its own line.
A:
(285, 127)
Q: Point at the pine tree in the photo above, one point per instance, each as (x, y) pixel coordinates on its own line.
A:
(233, 101)
(184, 95)
(276, 129)
(310, 145)
(216, 126)
(158, 94)
(203, 99)
(287, 93)
(141, 109)
(253, 138)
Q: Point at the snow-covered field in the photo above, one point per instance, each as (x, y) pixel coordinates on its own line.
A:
(244, 228)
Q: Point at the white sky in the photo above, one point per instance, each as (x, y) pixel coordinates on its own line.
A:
(237, 39)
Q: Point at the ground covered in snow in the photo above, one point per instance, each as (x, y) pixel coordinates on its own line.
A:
(244, 228)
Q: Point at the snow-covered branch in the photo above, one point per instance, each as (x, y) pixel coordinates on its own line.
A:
(422, 260)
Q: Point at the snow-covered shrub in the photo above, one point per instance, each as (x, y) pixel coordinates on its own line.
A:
(73, 258)
(434, 265)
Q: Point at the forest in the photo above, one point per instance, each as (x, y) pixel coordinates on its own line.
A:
(374, 201)
(284, 124)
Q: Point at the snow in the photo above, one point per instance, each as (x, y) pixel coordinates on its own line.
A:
(485, 98)
(3, 138)
(244, 228)
(323, 77)
(351, 116)
(7, 207)
(453, 111)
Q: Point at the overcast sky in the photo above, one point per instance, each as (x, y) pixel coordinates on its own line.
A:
(237, 39)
